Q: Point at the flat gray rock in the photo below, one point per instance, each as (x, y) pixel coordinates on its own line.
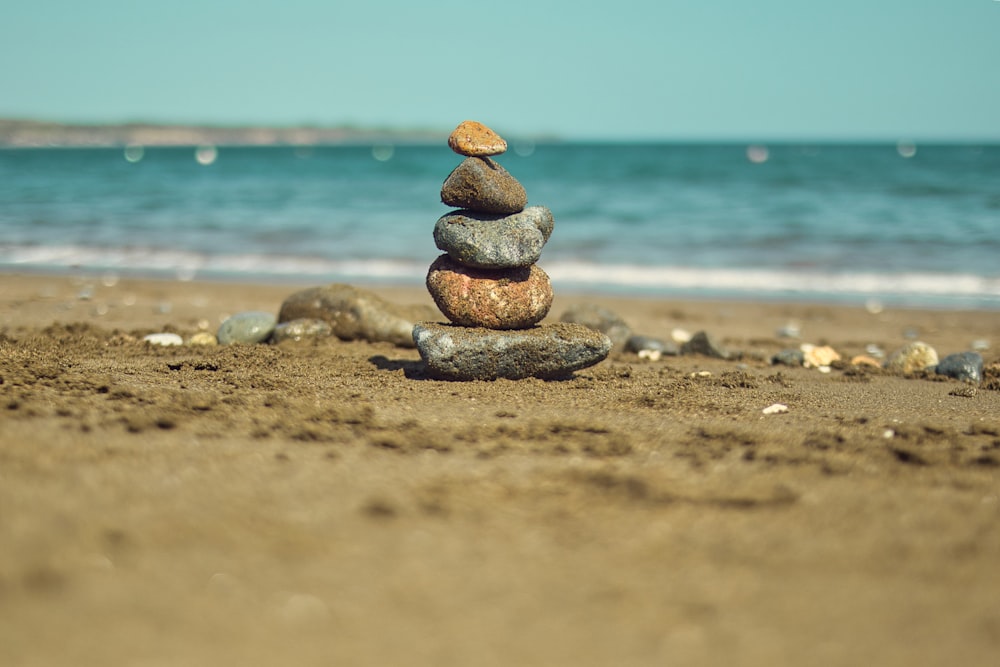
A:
(547, 351)
(490, 241)
(481, 184)
(964, 366)
(356, 314)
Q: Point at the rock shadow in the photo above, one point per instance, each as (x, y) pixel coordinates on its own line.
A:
(412, 370)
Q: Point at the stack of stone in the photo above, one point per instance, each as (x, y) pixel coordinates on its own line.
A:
(487, 282)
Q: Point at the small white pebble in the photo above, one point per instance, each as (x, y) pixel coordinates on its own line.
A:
(980, 345)
(775, 409)
(888, 433)
(823, 369)
(166, 339)
(652, 355)
(874, 306)
(680, 335)
(702, 374)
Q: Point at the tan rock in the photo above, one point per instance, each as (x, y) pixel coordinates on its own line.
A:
(474, 139)
(865, 360)
(815, 356)
(495, 299)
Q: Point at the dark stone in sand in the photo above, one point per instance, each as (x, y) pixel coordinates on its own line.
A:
(489, 241)
(355, 314)
(548, 351)
(964, 366)
(649, 344)
(705, 344)
(600, 319)
(790, 357)
(480, 184)
(249, 327)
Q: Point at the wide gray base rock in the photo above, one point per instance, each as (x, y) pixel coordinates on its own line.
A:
(355, 314)
(546, 351)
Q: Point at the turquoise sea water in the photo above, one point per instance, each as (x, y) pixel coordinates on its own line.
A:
(900, 224)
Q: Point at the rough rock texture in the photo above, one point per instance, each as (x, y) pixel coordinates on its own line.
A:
(548, 351)
(480, 184)
(503, 299)
(250, 327)
(490, 241)
(355, 314)
(964, 366)
(474, 139)
(912, 358)
(600, 319)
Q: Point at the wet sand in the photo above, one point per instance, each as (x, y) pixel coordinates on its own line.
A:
(323, 502)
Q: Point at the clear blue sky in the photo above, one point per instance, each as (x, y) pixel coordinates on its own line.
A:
(629, 69)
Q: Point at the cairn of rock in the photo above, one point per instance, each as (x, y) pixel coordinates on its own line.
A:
(487, 283)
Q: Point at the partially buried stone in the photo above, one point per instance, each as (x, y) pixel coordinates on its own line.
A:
(640, 344)
(789, 357)
(480, 184)
(490, 241)
(474, 139)
(600, 319)
(203, 338)
(356, 314)
(548, 351)
(249, 327)
(508, 299)
(165, 339)
(964, 366)
(705, 344)
(912, 358)
(296, 330)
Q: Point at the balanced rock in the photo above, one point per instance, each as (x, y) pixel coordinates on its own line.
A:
(964, 366)
(480, 184)
(489, 241)
(355, 314)
(250, 327)
(547, 351)
(474, 139)
(600, 319)
(509, 299)
(912, 358)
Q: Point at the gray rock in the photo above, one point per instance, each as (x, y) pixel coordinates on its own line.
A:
(789, 357)
(600, 319)
(301, 328)
(547, 351)
(481, 184)
(249, 327)
(964, 366)
(488, 241)
(649, 344)
(356, 314)
(705, 344)
(912, 358)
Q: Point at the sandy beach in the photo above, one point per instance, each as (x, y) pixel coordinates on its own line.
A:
(325, 503)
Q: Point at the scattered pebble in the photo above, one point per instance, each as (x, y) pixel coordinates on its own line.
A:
(789, 357)
(203, 338)
(865, 360)
(680, 336)
(875, 351)
(980, 345)
(600, 319)
(964, 366)
(816, 356)
(296, 330)
(705, 344)
(356, 314)
(648, 344)
(545, 351)
(790, 330)
(911, 358)
(249, 327)
(775, 409)
(165, 339)
(650, 355)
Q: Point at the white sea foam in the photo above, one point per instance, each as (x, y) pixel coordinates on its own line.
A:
(187, 265)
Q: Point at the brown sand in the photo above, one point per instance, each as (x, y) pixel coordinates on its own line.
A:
(321, 503)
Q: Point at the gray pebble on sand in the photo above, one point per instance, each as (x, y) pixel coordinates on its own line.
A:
(964, 366)
(248, 327)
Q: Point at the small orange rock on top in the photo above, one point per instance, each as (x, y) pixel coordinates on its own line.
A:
(476, 140)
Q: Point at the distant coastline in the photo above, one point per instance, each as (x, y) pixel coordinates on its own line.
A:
(18, 133)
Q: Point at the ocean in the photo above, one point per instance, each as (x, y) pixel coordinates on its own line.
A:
(908, 225)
